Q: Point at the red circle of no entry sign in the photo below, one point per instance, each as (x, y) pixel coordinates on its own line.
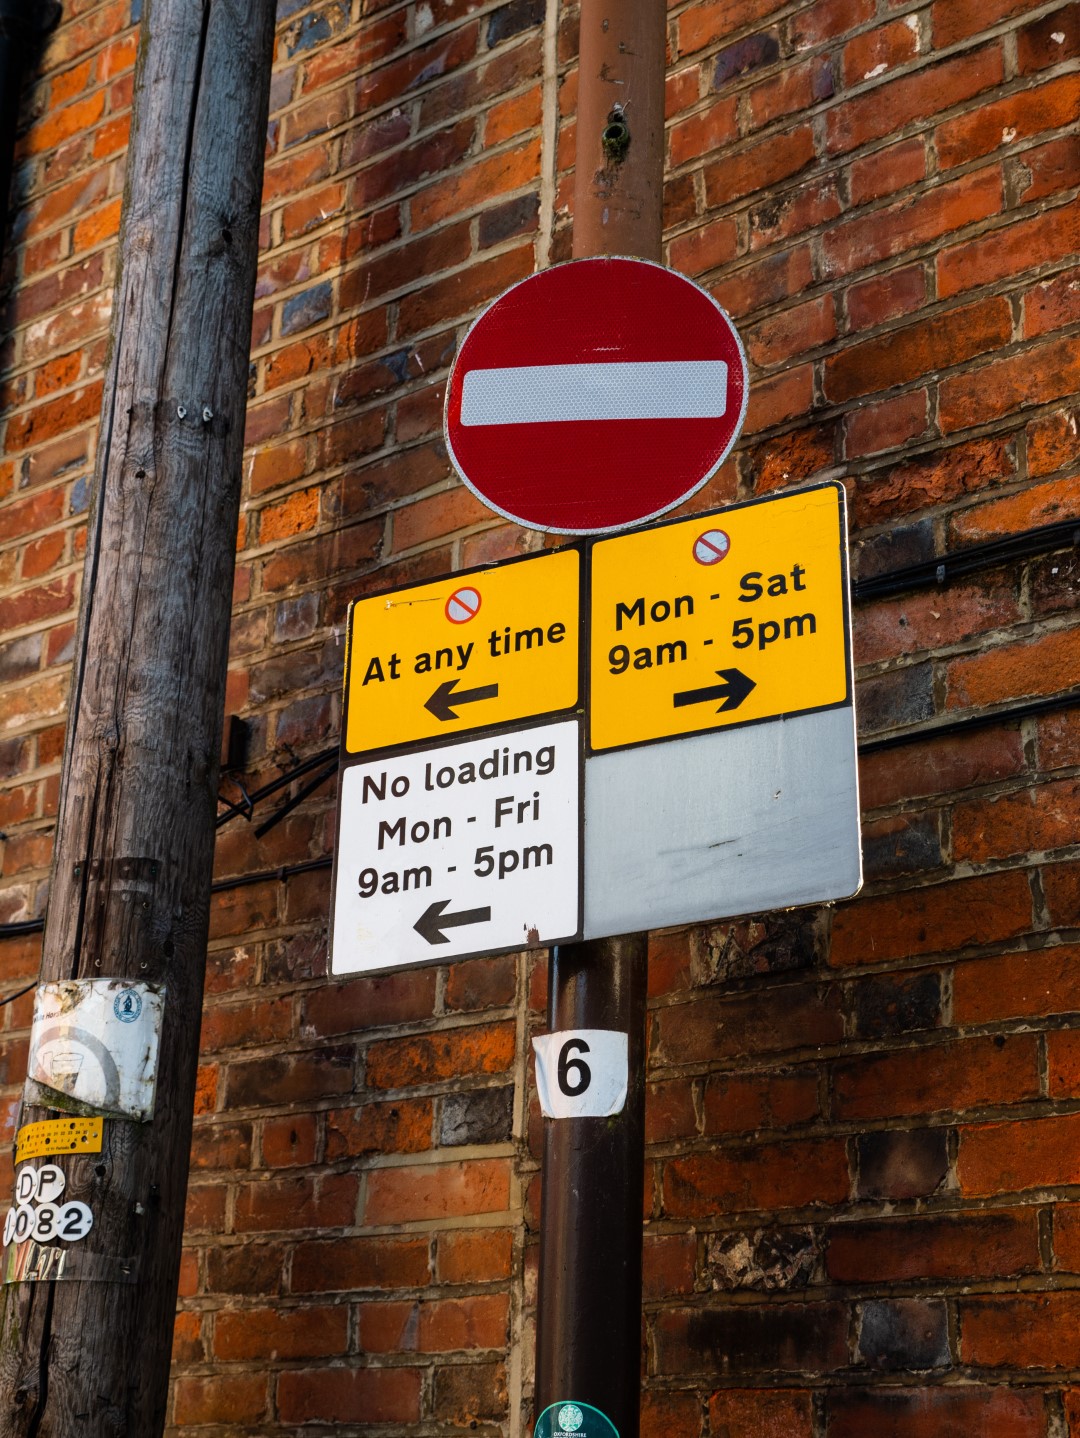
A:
(463, 605)
(595, 395)
(711, 546)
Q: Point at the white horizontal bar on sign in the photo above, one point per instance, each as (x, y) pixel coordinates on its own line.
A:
(552, 393)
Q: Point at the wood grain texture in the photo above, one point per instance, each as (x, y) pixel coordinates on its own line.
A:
(140, 772)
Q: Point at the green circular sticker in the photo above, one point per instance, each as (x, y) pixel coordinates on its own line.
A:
(571, 1419)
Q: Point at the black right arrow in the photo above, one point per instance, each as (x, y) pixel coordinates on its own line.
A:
(432, 921)
(440, 702)
(733, 691)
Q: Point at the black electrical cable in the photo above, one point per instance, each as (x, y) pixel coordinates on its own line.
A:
(1010, 714)
(22, 926)
(964, 561)
(297, 798)
(10, 998)
(241, 881)
(274, 785)
(283, 872)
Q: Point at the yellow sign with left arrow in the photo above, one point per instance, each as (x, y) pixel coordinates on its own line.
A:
(474, 650)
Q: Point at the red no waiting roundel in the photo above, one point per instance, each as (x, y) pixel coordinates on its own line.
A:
(595, 395)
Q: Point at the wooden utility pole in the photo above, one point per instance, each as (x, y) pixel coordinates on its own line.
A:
(87, 1353)
(588, 1346)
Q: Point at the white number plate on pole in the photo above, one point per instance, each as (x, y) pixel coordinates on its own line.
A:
(581, 1073)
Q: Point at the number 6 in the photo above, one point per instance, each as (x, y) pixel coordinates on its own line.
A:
(566, 1063)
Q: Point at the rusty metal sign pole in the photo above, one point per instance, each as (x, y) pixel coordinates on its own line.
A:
(588, 1348)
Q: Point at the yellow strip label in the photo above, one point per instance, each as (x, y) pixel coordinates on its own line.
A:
(59, 1135)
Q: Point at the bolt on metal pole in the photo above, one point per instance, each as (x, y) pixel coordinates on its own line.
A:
(588, 1347)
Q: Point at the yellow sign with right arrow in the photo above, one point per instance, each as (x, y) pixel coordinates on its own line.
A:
(720, 620)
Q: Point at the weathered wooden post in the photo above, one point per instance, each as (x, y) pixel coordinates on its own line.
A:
(85, 1346)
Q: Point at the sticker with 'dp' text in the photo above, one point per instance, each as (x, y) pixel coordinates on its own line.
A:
(39, 1215)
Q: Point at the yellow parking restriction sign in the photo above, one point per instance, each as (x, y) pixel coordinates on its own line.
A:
(726, 619)
(471, 651)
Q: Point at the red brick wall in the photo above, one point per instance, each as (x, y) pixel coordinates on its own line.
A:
(863, 1125)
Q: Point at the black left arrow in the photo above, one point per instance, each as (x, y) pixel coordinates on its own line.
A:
(432, 921)
(733, 691)
(440, 702)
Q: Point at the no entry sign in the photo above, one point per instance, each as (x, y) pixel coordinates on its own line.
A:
(595, 395)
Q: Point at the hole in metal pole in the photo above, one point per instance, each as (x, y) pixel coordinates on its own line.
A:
(615, 136)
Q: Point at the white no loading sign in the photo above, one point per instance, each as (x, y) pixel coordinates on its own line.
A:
(464, 848)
